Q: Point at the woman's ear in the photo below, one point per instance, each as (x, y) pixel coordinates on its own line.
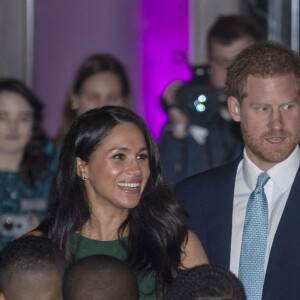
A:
(74, 103)
(234, 108)
(81, 169)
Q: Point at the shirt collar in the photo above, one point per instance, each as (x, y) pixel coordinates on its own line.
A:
(282, 174)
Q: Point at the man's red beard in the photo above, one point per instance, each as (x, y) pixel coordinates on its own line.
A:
(267, 153)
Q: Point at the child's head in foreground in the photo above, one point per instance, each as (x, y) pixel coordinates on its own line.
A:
(99, 277)
(31, 267)
(206, 282)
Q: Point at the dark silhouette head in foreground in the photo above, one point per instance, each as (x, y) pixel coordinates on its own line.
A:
(31, 267)
(206, 282)
(99, 277)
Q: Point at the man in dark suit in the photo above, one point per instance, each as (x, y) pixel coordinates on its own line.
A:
(246, 213)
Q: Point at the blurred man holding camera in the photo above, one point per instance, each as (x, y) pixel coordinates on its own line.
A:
(200, 135)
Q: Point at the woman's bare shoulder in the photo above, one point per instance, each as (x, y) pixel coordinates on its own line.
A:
(193, 252)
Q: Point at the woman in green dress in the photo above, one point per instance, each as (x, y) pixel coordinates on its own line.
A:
(108, 197)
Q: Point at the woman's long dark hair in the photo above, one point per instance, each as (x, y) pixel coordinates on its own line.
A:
(157, 225)
(35, 159)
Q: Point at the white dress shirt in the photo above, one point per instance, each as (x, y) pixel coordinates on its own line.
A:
(277, 190)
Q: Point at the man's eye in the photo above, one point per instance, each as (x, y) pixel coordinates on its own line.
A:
(263, 108)
(221, 62)
(288, 106)
(3, 116)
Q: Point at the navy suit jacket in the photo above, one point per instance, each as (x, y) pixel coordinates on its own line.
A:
(208, 198)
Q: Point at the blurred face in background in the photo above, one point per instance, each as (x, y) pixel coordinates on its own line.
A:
(99, 90)
(16, 122)
(221, 56)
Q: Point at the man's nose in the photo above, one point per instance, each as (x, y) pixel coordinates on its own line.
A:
(276, 120)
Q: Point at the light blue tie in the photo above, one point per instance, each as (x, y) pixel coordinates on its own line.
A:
(253, 249)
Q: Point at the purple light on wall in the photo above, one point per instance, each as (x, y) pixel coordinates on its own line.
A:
(165, 33)
(66, 32)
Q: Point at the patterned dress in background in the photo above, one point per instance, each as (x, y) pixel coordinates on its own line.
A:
(22, 208)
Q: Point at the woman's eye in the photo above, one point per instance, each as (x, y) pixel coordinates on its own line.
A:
(91, 97)
(26, 118)
(114, 99)
(119, 156)
(143, 156)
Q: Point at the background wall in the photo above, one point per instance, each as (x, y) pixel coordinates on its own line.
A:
(66, 32)
(16, 39)
(165, 42)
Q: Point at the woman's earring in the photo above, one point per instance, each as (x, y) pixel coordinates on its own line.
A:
(84, 178)
(75, 105)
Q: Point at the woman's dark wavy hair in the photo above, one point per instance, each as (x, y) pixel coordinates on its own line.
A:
(157, 225)
(34, 160)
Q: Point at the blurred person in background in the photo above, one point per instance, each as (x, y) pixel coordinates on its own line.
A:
(195, 141)
(28, 160)
(100, 80)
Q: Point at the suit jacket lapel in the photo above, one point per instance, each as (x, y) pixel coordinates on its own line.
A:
(220, 230)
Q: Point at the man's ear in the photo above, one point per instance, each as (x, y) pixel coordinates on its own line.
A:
(81, 168)
(234, 108)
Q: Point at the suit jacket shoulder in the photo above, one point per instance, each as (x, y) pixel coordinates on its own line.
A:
(208, 199)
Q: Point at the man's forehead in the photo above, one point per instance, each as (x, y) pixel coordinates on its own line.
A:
(269, 77)
(230, 50)
(282, 83)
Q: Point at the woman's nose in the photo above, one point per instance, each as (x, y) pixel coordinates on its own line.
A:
(134, 167)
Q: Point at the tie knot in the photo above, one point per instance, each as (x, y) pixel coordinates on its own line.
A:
(262, 180)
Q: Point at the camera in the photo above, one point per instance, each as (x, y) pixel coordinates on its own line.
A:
(198, 99)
